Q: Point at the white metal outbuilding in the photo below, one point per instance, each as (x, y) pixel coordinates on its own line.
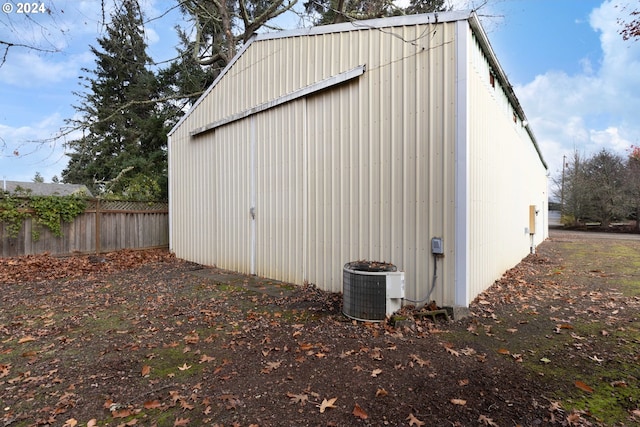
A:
(363, 140)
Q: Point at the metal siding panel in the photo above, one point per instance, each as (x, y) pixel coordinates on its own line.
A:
(377, 159)
(208, 197)
(506, 176)
(279, 192)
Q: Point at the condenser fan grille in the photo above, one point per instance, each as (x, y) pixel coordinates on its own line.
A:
(364, 296)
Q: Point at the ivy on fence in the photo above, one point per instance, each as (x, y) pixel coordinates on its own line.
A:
(11, 214)
(48, 211)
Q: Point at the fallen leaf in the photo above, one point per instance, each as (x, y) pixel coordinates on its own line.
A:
(146, 370)
(298, 398)
(71, 422)
(413, 421)
(460, 402)
(584, 387)
(574, 419)
(545, 360)
(504, 351)
(452, 351)
(152, 404)
(4, 370)
(184, 367)
(205, 359)
(468, 351)
(555, 406)
(381, 392)
(305, 346)
(121, 413)
(271, 366)
(181, 422)
(359, 412)
(420, 361)
(376, 372)
(486, 421)
(327, 404)
(28, 338)
(192, 338)
(92, 422)
(621, 384)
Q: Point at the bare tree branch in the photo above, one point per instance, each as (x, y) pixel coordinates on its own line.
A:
(8, 45)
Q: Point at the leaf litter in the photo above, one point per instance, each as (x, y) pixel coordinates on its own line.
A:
(144, 336)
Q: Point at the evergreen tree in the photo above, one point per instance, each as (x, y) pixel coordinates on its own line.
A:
(336, 11)
(425, 6)
(124, 131)
(185, 79)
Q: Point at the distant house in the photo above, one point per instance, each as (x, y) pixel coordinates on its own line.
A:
(44, 189)
(396, 139)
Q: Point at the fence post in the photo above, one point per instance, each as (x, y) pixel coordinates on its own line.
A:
(98, 237)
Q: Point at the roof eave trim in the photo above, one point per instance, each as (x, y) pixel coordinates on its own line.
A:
(394, 21)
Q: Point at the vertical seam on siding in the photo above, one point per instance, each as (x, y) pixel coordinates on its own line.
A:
(252, 193)
(461, 255)
(305, 192)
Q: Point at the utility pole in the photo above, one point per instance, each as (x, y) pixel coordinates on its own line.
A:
(564, 163)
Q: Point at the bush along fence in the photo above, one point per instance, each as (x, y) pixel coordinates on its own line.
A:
(62, 225)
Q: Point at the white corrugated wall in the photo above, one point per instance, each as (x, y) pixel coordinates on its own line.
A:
(280, 192)
(356, 171)
(209, 203)
(377, 170)
(506, 176)
(365, 169)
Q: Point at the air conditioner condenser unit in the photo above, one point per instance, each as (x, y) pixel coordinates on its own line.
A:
(371, 291)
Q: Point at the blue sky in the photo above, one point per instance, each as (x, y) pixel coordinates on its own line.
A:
(577, 80)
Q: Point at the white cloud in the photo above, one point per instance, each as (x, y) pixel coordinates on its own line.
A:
(30, 69)
(33, 148)
(609, 139)
(595, 109)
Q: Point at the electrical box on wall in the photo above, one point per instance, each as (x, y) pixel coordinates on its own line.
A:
(532, 219)
(436, 246)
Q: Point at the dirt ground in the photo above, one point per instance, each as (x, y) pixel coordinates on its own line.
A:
(142, 338)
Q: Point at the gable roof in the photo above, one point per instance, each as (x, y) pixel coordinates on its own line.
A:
(45, 189)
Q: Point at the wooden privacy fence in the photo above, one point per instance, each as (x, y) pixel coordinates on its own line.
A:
(105, 225)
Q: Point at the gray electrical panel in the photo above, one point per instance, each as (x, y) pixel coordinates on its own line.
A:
(436, 246)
